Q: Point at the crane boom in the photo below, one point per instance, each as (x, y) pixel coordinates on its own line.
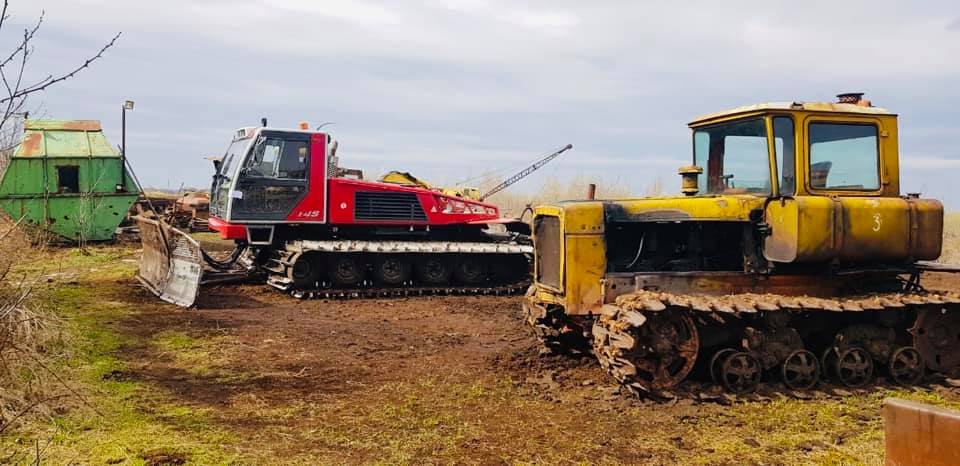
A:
(526, 171)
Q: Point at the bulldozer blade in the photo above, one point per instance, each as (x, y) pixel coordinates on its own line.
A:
(171, 266)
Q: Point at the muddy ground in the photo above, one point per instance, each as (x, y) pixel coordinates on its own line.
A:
(446, 379)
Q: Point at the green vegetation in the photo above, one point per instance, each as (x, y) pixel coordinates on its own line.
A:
(113, 420)
(137, 403)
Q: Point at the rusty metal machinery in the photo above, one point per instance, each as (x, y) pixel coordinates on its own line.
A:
(790, 255)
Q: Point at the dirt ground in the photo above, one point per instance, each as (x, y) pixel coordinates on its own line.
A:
(253, 376)
(272, 352)
(449, 379)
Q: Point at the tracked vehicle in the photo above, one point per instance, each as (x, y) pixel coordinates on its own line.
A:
(791, 252)
(315, 229)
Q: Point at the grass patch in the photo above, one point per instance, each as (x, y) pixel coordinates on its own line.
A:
(120, 420)
(446, 418)
(951, 239)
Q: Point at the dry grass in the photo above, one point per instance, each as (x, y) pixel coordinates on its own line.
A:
(951, 239)
(512, 203)
(25, 331)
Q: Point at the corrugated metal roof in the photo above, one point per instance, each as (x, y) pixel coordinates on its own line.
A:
(795, 107)
(64, 138)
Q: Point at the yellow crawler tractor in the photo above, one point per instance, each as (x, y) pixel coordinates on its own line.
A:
(791, 253)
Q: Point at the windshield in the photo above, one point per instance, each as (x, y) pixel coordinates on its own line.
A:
(235, 152)
(221, 181)
(735, 157)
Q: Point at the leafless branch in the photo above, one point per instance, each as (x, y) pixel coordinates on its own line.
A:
(14, 227)
(3, 14)
(29, 408)
(50, 80)
(28, 33)
(56, 375)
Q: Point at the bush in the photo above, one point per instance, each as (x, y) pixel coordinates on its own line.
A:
(25, 332)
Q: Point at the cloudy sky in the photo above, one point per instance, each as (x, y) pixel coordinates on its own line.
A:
(449, 89)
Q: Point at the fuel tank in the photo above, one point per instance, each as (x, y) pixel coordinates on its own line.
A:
(853, 229)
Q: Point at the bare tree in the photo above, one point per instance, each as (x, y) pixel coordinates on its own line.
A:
(23, 329)
(16, 86)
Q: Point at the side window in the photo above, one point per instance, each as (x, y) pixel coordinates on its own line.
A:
(264, 158)
(293, 160)
(68, 179)
(844, 156)
(783, 144)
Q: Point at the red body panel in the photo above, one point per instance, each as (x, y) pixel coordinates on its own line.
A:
(312, 209)
(331, 201)
(342, 192)
(227, 230)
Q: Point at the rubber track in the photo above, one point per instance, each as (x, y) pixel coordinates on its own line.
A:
(359, 293)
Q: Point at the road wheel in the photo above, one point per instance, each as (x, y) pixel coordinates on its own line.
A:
(801, 370)
(434, 270)
(346, 269)
(906, 366)
(392, 269)
(740, 372)
(305, 271)
(716, 361)
(471, 269)
(854, 367)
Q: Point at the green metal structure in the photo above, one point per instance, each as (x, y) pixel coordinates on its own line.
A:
(66, 178)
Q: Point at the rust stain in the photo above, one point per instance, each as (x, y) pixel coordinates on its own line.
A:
(70, 125)
(82, 125)
(32, 145)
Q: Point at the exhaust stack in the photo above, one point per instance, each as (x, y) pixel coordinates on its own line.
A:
(855, 98)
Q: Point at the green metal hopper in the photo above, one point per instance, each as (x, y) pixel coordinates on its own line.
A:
(67, 179)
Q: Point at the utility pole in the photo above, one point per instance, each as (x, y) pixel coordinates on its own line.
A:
(127, 105)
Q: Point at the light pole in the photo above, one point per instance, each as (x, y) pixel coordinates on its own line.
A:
(127, 105)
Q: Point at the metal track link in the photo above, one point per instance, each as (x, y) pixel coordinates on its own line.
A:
(705, 393)
(648, 341)
(357, 293)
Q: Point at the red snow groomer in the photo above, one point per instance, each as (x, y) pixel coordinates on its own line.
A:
(314, 228)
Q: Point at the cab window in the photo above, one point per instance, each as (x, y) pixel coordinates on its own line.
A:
(844, 156)
(277, 158)
(293, 160)
(735, 156)
(783, 144)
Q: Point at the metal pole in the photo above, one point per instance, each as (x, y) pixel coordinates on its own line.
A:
(123, 149)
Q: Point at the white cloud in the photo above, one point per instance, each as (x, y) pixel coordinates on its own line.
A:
(542, 19)
(912, 162)
(492, 81)
(349, 10)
